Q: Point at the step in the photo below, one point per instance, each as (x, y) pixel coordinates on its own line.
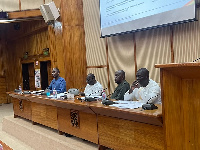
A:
(41, 137)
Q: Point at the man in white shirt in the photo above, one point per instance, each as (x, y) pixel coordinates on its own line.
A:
(144, 89)
(93, 87)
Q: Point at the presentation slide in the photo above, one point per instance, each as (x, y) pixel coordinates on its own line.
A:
(116, 12)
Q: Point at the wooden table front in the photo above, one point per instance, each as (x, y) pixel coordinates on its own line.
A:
(104, 125)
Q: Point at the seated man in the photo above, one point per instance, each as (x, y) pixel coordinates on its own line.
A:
(122, 87)
(144, 89)
(93, 87)
(58, 83)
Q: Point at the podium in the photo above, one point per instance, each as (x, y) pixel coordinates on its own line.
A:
(180, 89)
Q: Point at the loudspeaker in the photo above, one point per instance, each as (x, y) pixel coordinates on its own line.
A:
(3, 15)
(49, 12)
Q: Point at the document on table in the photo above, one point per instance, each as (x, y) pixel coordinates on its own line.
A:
(128, 104)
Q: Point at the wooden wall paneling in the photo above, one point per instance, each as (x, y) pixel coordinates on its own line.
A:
(57, 3)
(190, 118)
(3, 90)
(129, 135)
(135, 52)
(74, 43)
(11, 33)
(49, 70)
(31, 70)
(88, 125)
(20, 5)
(180, 94)
(171, 42)
(52, 46)
(2, 50)
(75, 56)
(22, 108)
(33, 41)
(14, 68)
(73, 14)
(2, 59)
(3, 65)
(57, 50)
(34, 13)
(173, 102)
(44, 114)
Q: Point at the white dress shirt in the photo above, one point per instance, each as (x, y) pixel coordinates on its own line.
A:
(93, 90)
(150, 93)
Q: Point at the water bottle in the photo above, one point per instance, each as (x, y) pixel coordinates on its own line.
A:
(104, 95)
(1, 147)
(48, 92)
(20, 89)
(54, 93)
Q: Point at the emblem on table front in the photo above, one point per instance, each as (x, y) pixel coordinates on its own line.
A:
(21, 106)
(75, 118)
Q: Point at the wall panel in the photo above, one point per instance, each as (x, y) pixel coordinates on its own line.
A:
(95, 46)
(74, 43)
(121, 57)
(3, 87)
(56, 49)
(9, 5)
(72, 13)
(25, 4)
(33, 41)
(153, 47)
(75, 61)
(186, 41)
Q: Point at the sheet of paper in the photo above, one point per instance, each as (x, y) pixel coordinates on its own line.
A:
(128, 104)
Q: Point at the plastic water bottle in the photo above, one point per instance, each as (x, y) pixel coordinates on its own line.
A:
(20, 89)
(104, 95)
(1, 147)
(48, 92)
(54, 93)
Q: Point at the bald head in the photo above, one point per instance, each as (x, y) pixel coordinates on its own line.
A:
(55, 73)
(142, 76)
(119, 76)
(91, 79)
